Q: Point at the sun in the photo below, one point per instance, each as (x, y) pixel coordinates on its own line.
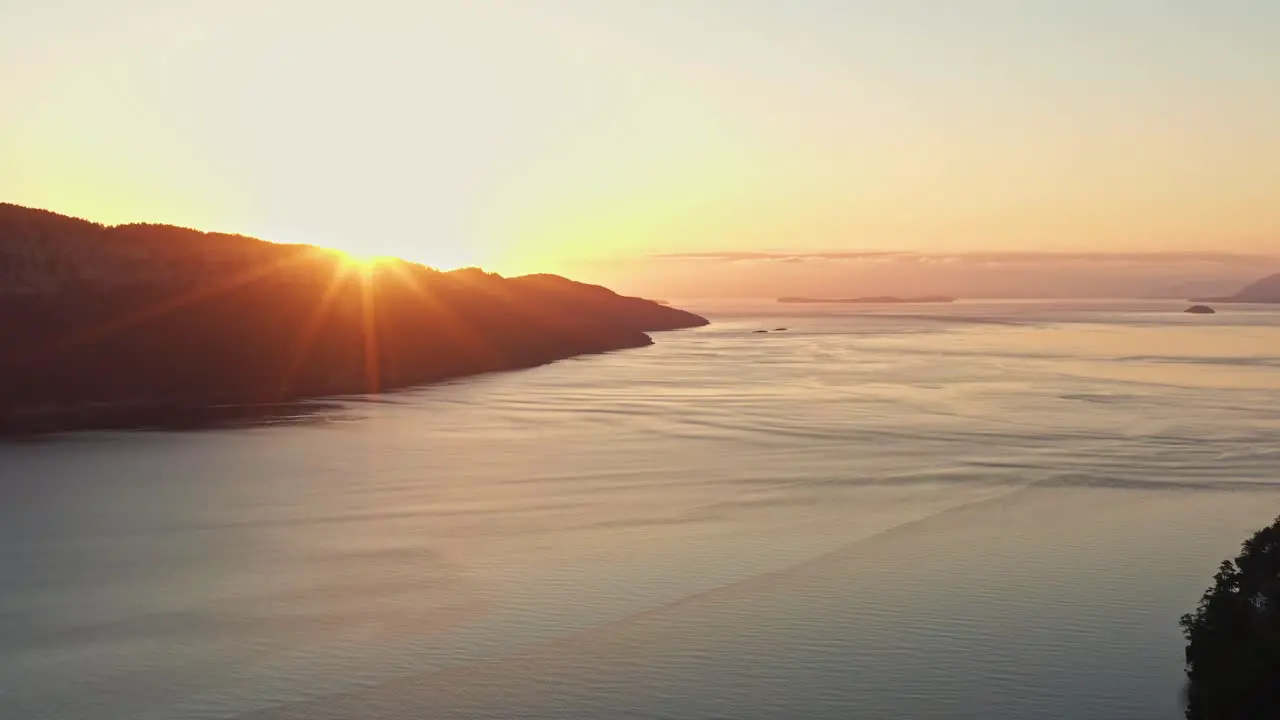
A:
(460, 251)
(361, 261)
(439, 259)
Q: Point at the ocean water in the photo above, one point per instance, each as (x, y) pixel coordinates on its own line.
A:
(974, 510)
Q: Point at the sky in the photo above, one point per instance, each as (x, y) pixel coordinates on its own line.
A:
(669, 145)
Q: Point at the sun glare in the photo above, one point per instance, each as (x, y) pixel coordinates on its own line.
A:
(438, 258)
(361, 261)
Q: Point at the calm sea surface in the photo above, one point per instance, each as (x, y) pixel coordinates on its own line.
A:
(978, 510)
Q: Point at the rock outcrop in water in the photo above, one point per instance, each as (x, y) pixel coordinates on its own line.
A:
(118, 326)
(1200, 310)
(1266, 290)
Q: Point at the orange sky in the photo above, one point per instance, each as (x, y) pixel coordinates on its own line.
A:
(586, 137)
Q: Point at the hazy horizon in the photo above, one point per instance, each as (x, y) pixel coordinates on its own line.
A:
(972, 275)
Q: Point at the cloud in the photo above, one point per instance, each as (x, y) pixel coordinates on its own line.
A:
(981, 257)
(768, 256)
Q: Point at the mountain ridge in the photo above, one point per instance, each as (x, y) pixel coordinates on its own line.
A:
(1265, 290)
(149, 317)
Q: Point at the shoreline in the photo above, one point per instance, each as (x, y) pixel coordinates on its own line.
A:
(198, 414)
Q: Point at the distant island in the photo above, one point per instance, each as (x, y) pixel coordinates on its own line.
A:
(1266, 290)
(151, 324)
(878, 299)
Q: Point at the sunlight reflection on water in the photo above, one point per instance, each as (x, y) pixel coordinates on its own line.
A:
(975, 510)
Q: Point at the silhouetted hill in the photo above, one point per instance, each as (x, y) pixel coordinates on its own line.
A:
(105, 325)
(1266, 290)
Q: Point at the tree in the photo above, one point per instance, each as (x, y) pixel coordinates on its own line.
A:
(1233, 637)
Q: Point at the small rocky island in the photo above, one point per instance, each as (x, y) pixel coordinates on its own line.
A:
(870, 300)
(142, 325)
(1200, 310)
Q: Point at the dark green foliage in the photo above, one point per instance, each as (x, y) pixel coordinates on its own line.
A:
(1233, 637)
